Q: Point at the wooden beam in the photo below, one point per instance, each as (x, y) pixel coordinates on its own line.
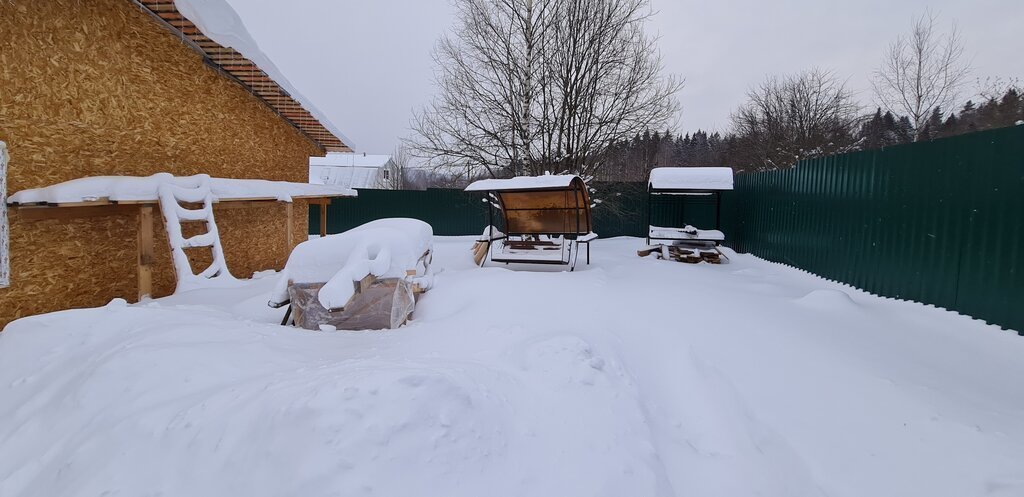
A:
(290, 230)
(33, 213)
(145, 251)
(323, 218)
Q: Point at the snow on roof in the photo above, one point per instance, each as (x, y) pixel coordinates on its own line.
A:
(522, 183)
(691, 178)
(219, 22)
(144, 189)
(348, 177)
(345, 159)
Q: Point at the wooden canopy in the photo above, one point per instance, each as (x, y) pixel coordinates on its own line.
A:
(550, 205)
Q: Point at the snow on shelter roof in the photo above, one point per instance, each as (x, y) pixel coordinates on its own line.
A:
(691, 178)
(548, 181)
(214, 30)
(136, 189)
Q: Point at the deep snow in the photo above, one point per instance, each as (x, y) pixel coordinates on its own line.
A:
(630, 376)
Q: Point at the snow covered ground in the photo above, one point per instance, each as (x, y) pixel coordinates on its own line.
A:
(628, 377)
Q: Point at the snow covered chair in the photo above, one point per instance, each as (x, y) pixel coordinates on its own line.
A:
(365, 278)
(544, 218)
(687, 243)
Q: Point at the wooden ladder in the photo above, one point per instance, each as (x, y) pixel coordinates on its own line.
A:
(192, 190)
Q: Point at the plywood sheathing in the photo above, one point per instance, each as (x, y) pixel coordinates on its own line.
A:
(245, 73)
(98, 87)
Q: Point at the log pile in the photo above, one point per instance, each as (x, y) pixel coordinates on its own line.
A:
(690, 255)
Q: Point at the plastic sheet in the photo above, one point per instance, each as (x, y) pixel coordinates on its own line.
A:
(380, 304)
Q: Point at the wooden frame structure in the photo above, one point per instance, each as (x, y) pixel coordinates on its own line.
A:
(541, 217)
(683, 186)
(687, 244)
(143, 211)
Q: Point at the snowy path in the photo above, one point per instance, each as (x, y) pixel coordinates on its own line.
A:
(628, 377)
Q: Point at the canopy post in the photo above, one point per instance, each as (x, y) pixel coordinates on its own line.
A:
(718, 210)
(649, 208)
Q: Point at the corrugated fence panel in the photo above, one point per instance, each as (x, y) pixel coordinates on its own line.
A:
(992, 261)
(937, 222)
(449, 212)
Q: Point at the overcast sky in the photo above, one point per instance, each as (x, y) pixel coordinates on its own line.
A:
(367, 64)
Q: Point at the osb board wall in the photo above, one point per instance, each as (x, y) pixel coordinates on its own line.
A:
(97, 87)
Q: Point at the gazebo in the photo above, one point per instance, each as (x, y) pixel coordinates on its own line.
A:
(544, 219)
(687, 243)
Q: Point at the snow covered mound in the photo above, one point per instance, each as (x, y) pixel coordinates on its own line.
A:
(385, 248)
(828, 299)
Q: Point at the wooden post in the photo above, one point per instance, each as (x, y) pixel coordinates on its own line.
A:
(145, 251)
(288, 210)
(323, 217)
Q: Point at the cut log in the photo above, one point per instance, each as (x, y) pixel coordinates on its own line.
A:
(648, 250)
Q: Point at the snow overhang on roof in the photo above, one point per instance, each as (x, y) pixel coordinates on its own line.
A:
(548, 181)
(691, 178)
(339, 159)
(213, 29)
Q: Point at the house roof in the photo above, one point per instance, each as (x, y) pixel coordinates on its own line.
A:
(261, 77)
(346, 177)
(342, 159)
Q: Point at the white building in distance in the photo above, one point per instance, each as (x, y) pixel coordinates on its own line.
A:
(352, 170)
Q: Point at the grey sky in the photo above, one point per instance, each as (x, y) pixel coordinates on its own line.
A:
(367, 64)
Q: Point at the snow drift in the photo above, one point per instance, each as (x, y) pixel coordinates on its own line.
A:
(631, 376)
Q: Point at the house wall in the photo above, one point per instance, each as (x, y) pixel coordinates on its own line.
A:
(98, 87)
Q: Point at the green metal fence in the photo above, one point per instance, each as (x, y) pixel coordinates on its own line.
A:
(449, 212)
(621, 210)
(937, 222)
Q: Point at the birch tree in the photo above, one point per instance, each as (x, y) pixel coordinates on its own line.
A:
(921, 72)
(529, 86)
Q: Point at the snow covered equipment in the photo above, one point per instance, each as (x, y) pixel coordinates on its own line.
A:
(544, 220)
(365, 278)
(190, 191)
(687, 243)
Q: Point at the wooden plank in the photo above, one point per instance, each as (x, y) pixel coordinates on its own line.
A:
(289, 209)
(323, 218)
(145, 251)
(26, 213)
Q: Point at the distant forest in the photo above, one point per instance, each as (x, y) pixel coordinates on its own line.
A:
(753, 150)
(631, 160)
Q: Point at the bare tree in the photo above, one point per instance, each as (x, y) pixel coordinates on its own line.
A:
(921, 72)
(796, 117)
(528, 86)
(395, 179)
